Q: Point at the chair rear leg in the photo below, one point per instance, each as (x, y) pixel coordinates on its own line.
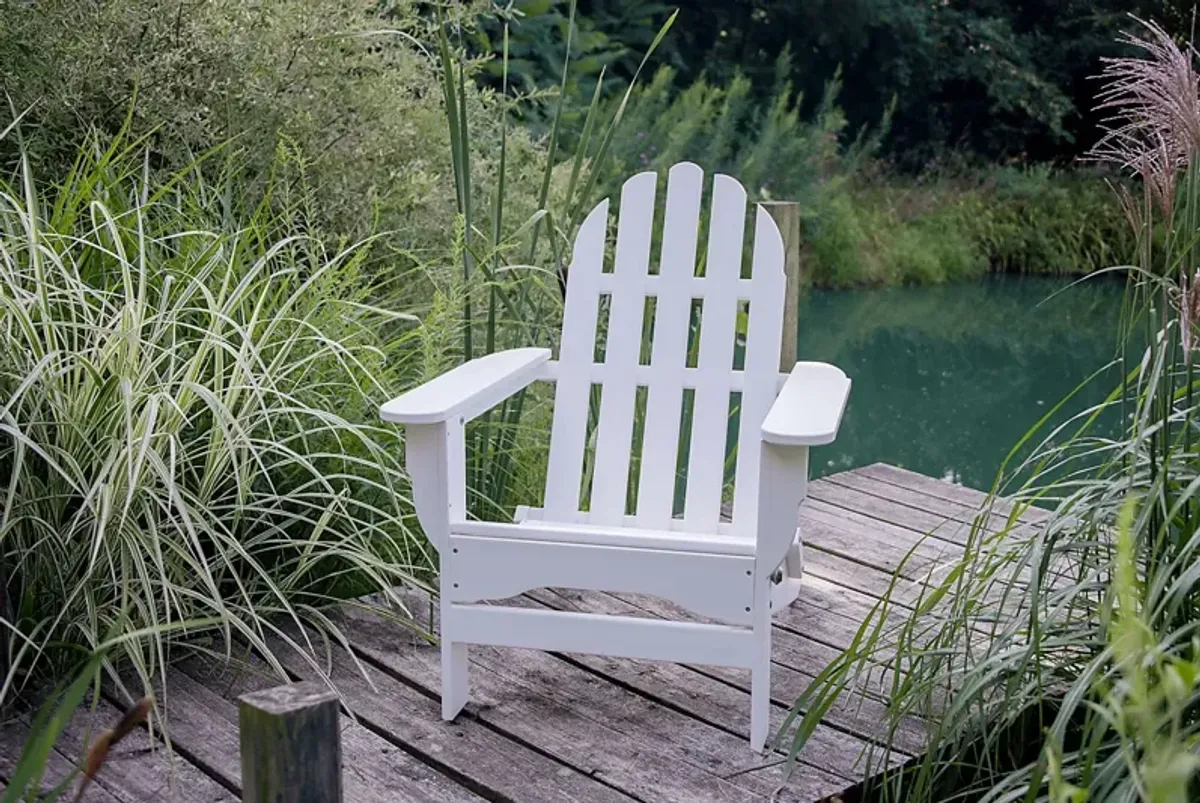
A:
(454, 677)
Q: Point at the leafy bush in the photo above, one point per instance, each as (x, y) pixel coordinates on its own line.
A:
(352, 87)
(1037, 220)
(182, 447)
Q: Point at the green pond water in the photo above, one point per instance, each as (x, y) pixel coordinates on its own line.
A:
(947, 379)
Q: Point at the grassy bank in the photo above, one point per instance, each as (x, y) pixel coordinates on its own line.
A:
(862, 222)
(886, 228)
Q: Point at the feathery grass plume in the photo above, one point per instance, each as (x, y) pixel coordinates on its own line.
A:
(1189, 312)
(1154, 100)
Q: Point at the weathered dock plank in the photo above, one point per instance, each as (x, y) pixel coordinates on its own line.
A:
(550, 727)
(796, 661)
(643, 748)
(376, 771)
(721, 694)
(941, 489)
(488, 761)
(138, 769)
(59, 765)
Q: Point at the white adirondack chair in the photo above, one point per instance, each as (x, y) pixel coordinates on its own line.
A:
(734, 572)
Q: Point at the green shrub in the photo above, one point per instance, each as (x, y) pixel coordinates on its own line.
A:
(351, 87)
(187, 407)
(1038, 220)
(837, 235)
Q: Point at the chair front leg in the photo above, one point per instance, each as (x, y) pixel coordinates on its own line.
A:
(436, 459)
(782, 484)
(760, 669)
(455, 667)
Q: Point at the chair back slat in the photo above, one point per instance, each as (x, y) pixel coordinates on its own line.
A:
(578, 345)
(761, 369)
(668, 356)
(676, 286)
(718, 322)
(635, 227)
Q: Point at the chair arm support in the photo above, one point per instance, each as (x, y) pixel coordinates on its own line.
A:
(435, 456)
(782, 486)
(434, 415)
(469, 389)
(808, 410)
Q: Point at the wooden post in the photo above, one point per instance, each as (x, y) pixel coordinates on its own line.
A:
(786, 215)
(291, 745)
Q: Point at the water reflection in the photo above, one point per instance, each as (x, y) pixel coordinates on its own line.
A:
(947, 379)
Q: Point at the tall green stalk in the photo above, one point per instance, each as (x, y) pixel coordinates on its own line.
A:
(493, 439)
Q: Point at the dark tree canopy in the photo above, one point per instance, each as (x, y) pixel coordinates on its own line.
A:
(1002, 79)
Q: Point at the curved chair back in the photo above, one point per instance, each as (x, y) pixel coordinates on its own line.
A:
(674, 279)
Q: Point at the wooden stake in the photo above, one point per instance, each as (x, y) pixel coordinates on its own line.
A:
(786, 215)
(291, 745)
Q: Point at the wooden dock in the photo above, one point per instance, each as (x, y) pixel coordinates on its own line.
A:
(548, 727)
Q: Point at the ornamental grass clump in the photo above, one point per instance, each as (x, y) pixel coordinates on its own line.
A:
(1057, 658)
(188, 454)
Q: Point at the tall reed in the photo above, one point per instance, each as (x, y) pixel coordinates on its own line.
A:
(518, 310)
(1058, 660)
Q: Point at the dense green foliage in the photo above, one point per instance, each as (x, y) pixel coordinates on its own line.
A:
(353, 92)
(184, 430)
(997, 78)
(862, 223)
(350, 87)
(197, 339)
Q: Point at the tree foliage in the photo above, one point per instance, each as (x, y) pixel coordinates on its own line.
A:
(1003, 79)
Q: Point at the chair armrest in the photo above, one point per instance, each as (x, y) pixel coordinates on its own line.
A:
(469, 389)
(808, 410)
